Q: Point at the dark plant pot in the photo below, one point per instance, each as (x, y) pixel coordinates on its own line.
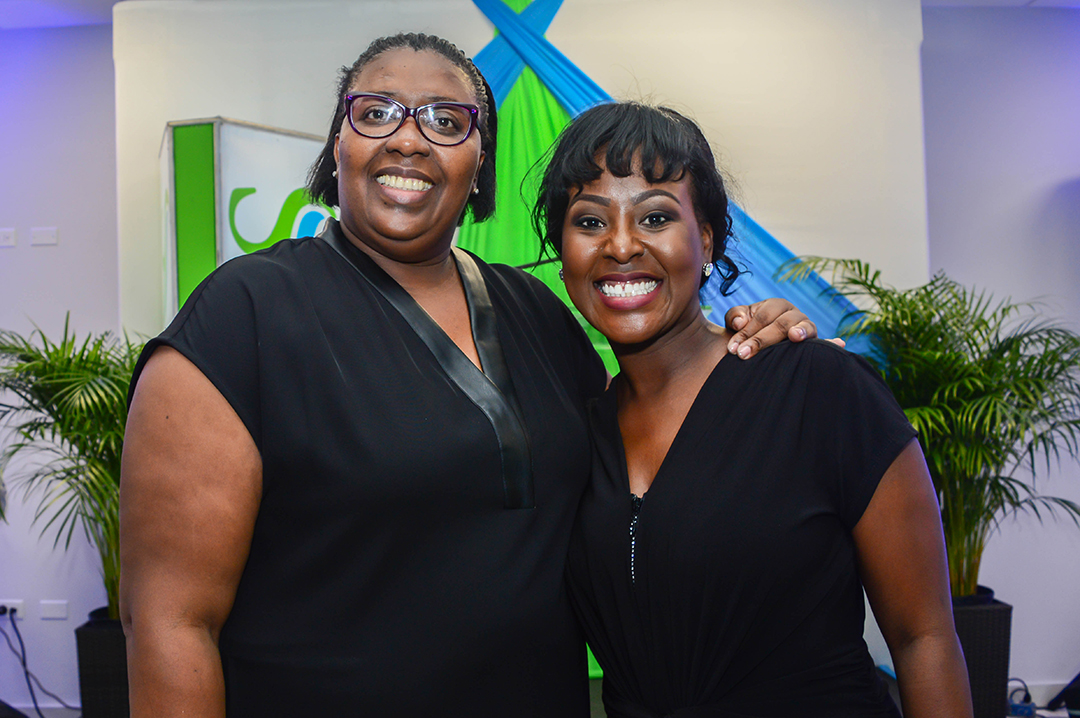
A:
(984, 625)
(102, 651)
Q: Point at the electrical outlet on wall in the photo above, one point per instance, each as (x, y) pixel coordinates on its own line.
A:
(17, 604)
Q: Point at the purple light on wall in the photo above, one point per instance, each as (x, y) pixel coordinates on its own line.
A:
(22, 14)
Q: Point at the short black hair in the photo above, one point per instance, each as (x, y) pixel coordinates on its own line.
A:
(667, 145)
(321, 183)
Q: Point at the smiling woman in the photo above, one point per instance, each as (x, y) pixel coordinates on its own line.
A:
(717, 574)
(613, 221)
(399, 191)
(353, 461)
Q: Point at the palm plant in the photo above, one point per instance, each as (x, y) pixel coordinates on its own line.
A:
(65, 413)
(992, 388)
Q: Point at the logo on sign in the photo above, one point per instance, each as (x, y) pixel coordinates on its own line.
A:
(299, 217)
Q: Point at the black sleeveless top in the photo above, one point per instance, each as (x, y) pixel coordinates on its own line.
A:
(400, 564)
(737, 594)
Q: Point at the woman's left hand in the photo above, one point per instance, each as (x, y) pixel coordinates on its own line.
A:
(765, 323)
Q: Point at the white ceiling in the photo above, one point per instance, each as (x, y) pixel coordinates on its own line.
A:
(62, 13)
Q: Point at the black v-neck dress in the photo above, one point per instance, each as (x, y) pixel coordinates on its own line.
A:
(408, 557)
(738, 594)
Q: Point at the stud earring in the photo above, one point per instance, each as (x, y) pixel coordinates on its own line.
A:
(561, 277)
(476, 190)
(706, 269)
(334, 173)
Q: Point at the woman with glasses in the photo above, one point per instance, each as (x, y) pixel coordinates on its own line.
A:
(352, 461)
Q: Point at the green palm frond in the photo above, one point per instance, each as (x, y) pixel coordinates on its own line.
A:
(992, 387)
(65, 417)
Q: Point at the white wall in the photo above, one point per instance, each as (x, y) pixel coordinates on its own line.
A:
(815, 105)
(1002, 115)
(57, 169)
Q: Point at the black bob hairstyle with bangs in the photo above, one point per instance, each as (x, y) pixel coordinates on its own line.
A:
(667, 145)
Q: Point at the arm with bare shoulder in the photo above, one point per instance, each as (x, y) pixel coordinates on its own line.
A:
(901, 553)
(189, 494)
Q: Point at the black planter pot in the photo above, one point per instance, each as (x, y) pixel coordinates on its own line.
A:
(103, 686)
(984, 626)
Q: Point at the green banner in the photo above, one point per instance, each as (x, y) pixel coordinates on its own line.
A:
(193, 167)
(530, 120)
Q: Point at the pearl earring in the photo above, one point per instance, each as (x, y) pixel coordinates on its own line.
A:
(706, 269)
(334, 173)
(476, 190)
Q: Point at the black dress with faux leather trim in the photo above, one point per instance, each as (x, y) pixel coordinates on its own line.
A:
(408, 556)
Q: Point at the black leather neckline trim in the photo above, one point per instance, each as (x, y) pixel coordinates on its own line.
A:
(490, 390)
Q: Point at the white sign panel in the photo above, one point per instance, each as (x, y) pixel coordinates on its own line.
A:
(261, 197)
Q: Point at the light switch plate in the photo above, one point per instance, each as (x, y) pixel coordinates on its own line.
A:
(7, 236)
(43, 236)
(53, 610)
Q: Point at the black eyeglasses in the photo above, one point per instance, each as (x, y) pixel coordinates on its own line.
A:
(444, 123)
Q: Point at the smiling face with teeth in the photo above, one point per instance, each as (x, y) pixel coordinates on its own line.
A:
(401, 196)
(632, 253)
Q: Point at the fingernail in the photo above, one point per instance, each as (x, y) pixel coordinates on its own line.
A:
(732, 347)
(744, 351)
(802, 332)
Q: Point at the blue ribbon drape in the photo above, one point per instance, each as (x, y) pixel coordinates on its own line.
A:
(574, 90)
(500, 63)
(761, 255)
(521, 42)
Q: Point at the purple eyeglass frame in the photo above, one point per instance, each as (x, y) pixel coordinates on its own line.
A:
(413, 112)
